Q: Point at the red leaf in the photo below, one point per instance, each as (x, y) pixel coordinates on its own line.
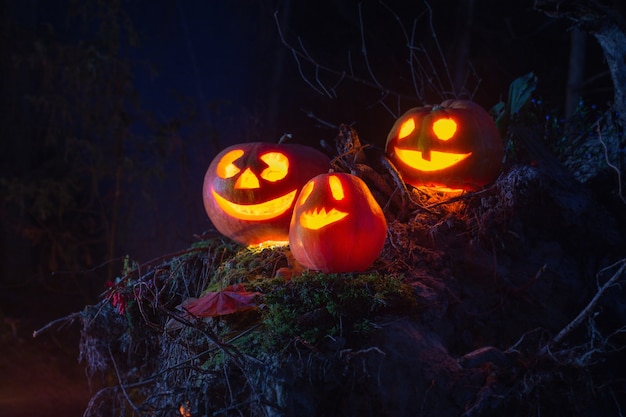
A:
(230, 300)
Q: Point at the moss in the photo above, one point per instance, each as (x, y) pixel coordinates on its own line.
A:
(316, 306)
(150, 334)
(241, 264)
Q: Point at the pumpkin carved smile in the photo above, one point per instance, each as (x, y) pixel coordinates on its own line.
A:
(256, 212)
(437, 161)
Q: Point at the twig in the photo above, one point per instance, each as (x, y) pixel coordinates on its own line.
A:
(311, 115)
(364, 50)
(433, 33)
(409, 42)
(160, 259)
(228, 350)
(62, 320)
(350, 353)
(119, 379)
(619, 408)
(232, 407)
(180, 364)
(463, 196)
(430, 387)
(302, 55)
(401, 185)
(588, 310)
(610, 164)
(419, 92)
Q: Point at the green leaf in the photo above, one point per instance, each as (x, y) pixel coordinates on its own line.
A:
(520, 91)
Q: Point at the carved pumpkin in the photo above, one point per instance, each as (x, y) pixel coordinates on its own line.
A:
(337, 225)
(452, 146)
(250, 189)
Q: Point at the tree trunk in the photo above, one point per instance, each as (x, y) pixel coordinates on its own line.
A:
(576, 71)
(612, 39)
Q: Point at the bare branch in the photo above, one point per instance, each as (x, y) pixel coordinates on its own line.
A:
(304, 77)
(444, 62)
(121, 383)
(588, 310)
(610, 164)
(364, 50)
(409, 42)
(320, 86)
(412, 59)
(311, 115)
(62, 321)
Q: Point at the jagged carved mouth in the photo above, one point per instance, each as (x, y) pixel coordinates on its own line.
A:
(316, 219)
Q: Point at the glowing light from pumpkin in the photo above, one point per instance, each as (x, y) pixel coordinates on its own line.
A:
(247, 181)
(267, 244)
(407, 128)
(184, 411)
(317, 219)
(437, 161)
(335, 187)
(444, 128)
(278, 166)
(258, 212)
(306, 192)
(226, 168)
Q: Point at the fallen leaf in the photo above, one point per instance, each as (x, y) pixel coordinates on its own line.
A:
(232, 299)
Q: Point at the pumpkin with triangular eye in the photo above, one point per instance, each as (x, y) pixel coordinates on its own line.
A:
(250, 189)
(452, 146)
(337, 225)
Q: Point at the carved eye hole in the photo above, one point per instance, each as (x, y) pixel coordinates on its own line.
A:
(444, 129)
(277, 166)
(306, 192)
(226, 168)
(335, 187)
(406, 128)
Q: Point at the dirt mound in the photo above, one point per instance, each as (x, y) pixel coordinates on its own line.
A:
(499, 302)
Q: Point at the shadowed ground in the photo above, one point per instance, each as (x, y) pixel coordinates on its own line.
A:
(40, 377)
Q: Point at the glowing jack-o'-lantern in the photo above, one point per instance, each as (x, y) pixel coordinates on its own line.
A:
(249, 189)
(337, 225)
(452, 146)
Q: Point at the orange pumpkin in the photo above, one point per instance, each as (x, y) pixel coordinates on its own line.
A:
(337, 225)
(250, 189)
(452, 146)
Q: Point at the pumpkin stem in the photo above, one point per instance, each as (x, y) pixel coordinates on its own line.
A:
(284, 138)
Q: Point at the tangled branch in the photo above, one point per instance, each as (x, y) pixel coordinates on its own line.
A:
(589, 310)
(422, 67)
